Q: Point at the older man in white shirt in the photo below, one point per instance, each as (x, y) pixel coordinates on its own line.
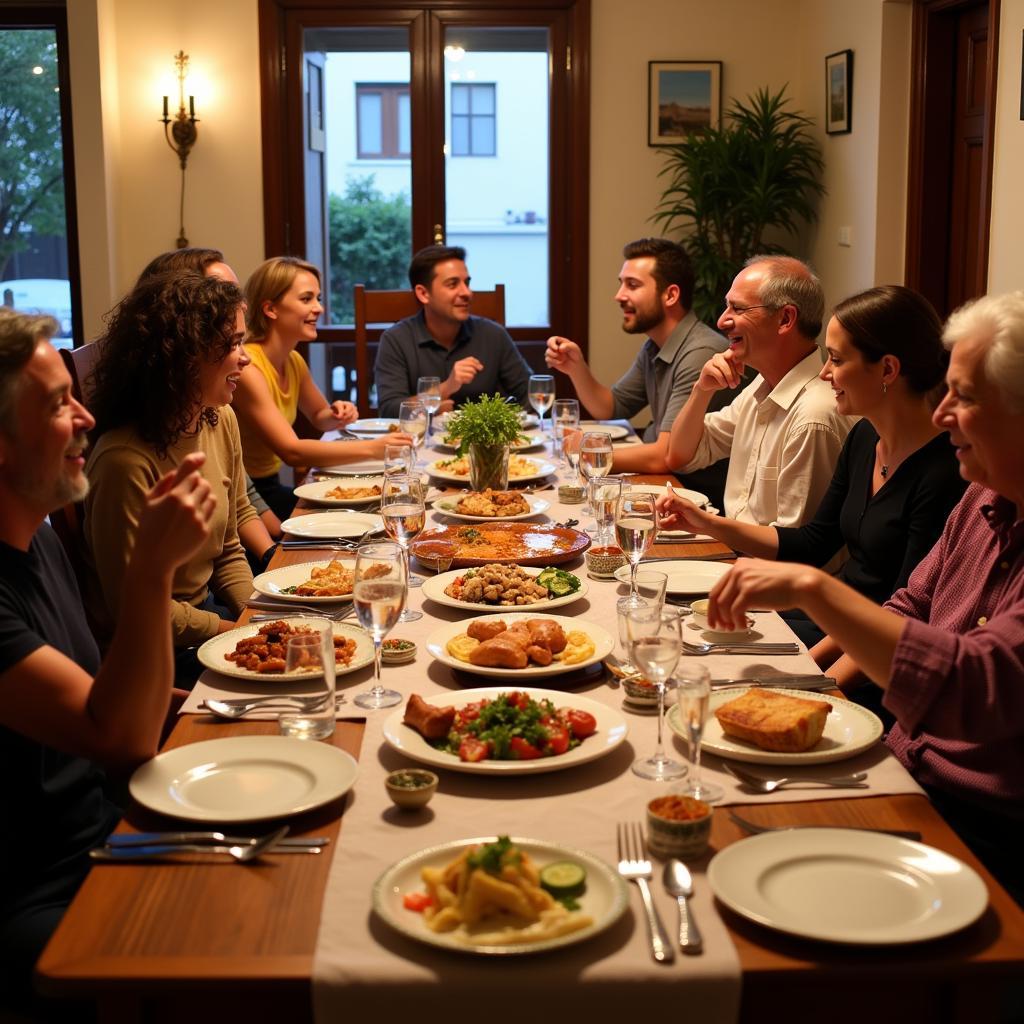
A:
(782, 432)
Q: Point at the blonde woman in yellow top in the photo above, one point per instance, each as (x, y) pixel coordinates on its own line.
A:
(283, 296)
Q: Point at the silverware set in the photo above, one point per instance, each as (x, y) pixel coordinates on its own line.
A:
(635, 867)
(136, 846)
(239, 707)
(738, 647)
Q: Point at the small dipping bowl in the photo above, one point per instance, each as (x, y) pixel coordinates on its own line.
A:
(411, 788)
(397, 651)
(603, 561)
(571, 494)
(678, 826)
(700, 619)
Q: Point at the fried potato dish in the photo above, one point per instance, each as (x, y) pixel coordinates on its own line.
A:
(496, 644)
(349, 493)
(265, 652)
(518, 466)
(493, 503)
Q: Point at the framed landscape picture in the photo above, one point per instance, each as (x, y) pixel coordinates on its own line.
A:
(683, 96)
(838, 92)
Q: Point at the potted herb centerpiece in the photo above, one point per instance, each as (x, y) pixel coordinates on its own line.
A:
(485, 429)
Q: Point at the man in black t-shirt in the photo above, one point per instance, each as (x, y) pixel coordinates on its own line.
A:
(63, 715)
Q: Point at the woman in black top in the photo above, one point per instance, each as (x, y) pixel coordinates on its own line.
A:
(897, 477)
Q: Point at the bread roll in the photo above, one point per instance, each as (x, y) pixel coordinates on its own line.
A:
(774, 721)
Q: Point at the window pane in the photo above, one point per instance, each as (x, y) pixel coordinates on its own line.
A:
(460, 136)
(498, 210)
(483, 136)
(460, 99)
(33, 228)
(370, 136)
(404, 124)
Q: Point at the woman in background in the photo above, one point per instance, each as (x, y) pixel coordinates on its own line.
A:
(283, 296)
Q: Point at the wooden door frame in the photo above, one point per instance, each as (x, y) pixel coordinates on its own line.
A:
(570, 143)
(925, 135)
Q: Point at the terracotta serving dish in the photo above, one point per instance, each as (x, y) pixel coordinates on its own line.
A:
(513, 543)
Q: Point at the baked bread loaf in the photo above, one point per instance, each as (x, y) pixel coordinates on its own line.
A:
(773, 721)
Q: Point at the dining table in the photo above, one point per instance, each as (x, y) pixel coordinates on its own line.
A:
(206, 939)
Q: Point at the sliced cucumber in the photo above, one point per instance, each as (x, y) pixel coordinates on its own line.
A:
(563, 878)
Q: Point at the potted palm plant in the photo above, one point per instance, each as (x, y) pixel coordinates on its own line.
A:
(485, 429)
(727, 186)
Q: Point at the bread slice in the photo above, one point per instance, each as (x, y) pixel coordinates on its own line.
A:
(773, 721)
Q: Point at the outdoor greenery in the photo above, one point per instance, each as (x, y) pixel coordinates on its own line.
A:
(370, 241)
(488, 420)
(760, 170)
(31, 155)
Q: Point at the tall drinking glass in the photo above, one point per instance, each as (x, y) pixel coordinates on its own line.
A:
(311, 654)
(428, 391)
(596, 457)
(398, 458)
(693, 690)
(650, 592)
(566, 415)
(404, 515)
(636, 525)
(412, 418)
(605, 492)
(379, 594)
(656, 640)
(541, 391)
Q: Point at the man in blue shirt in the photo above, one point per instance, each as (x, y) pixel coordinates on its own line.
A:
(471, 355)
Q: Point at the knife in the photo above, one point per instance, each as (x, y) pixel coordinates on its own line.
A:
(121, 853)
(795, 682)
(129, 839)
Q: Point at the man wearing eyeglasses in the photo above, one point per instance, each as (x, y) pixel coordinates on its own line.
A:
(655, 294)
(782, 432)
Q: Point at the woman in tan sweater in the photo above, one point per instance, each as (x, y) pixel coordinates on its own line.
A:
(172, 358)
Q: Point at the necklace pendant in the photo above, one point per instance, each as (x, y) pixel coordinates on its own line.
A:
(884, 471)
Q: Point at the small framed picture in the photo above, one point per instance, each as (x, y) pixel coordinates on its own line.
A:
(683, 96)
(838, 92)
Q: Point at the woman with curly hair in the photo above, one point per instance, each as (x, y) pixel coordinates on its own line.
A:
(172, 358)
(283, 296)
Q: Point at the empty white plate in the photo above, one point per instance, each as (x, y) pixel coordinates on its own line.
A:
(684, 577)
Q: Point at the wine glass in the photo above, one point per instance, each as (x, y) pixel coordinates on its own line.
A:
(305, 653)
(566, 415)
(595, 458)
(412, 418)
(404, 515)
(379, 595)
(428, 391)
(541, 390)
(693, 692)
(656, 640)
(636, 524)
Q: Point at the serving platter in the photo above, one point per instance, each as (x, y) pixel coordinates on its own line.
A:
(275, 582)
(849, 729)
(243, 778)
(844, 885)
(434, 588)
(509, 543)
(605, 900)
(212, 653)
(318, 491)
(538, 469)
(611, 731)
(448, 504)
(604, 643)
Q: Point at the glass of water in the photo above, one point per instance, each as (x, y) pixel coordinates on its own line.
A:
(636, 524)
(379, 593)
(605, 492)
(693, 693)
(404, 515)
(541, 391)
(311, 655)
(412, 419)
(566, 416)
(428, 391)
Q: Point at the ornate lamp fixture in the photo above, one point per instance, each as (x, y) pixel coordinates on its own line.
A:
(180, 133)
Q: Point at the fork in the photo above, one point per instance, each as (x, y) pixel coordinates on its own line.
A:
(286, 613)
(689, 647)
(634, 867)
(762, 785)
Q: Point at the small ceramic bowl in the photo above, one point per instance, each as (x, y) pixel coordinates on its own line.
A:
(604, 561)
(678, 826)
(639, 691)
(700, 620)
(411, 788)
(570, 494)
(397, 651)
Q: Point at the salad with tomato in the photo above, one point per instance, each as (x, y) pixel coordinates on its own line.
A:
(515, 727)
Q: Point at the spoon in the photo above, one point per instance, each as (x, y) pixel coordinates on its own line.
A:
(760, 785)
(678, 883)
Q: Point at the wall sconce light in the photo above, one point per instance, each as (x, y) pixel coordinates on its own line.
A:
(180, 133)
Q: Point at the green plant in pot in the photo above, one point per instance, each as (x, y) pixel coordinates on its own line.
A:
(485, 428)
(759, 171)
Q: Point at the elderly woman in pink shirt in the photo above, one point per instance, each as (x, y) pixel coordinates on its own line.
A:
(947, 649)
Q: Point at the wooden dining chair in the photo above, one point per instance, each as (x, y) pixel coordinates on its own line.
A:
(383, 308)
(80, 363)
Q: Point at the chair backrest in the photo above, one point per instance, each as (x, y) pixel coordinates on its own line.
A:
(80, 362)
(387, 307)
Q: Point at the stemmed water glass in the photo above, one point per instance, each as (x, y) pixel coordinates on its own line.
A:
(656, 640)
(693, 691)
(428, 391)
(636, 525)
(404, 515)
(412, 418)
(566, 416)
(541, 390)
(379, 594)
